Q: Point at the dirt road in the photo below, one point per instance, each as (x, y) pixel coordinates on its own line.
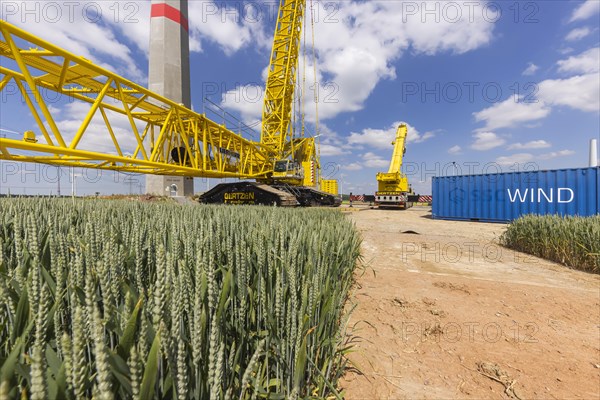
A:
(443, 312)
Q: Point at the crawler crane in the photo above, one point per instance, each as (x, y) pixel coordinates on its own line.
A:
(164, 137)
(393, 187)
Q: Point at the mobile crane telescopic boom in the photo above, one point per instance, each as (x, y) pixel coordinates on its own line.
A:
(393, 187)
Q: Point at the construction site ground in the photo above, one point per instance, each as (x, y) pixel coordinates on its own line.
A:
(442, 311)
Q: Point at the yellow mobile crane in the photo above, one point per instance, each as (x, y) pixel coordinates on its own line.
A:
(393, 187)
(163, 137)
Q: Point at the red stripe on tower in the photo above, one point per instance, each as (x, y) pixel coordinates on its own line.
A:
(165, 10)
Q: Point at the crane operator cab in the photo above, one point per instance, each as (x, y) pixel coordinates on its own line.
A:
(287, 169)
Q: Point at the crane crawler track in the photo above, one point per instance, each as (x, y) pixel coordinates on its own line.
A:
(248, 193)
(128, 128)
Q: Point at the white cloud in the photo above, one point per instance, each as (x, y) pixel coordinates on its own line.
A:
(531, 69)
(246, 100)
(96, 137)
(373, 160)
(369, 36)
(455, 150)
(555, 154)
(518, 158)
(586, 10)
(54, 111)
(208, 21)
(331, 150)
(368, 160)
(331, 143)
(423, 137)
(348, 67)
(510, 113)
(584, 63)
(374, 138)
(352, 167)
(383, 138)
(357, 43)
(534, 144)
(132, 20)
(427, 35)
(105, 31)
(225, 26)
(521, 158)
(566, 50)
(486, 141)
(578, 33)
(85, 28)
(579, 92)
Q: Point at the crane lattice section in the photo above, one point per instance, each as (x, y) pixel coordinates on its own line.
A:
(154, 135)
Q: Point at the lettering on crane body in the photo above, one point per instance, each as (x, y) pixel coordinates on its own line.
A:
(390, 194)
(240, 196)
(533, 195)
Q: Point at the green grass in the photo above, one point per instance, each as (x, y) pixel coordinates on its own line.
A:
(572, 241)
(130, 300)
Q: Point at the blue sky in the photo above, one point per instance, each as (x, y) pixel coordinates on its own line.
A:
(489, 85)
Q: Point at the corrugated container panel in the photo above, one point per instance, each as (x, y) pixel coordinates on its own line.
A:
(505, 197)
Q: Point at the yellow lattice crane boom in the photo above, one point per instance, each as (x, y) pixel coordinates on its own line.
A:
(277, 131)
(160, 136)
(393, 187)
(394, 172)
(163, 137)
(295, 159)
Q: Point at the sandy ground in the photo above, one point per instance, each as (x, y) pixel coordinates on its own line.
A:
(443, 312)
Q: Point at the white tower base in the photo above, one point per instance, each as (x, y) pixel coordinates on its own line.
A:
(158, 185)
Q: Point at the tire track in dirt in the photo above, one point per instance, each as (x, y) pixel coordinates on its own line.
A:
(448, 313)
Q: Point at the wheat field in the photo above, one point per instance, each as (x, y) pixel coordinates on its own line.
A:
(572, 241)
(115, 299)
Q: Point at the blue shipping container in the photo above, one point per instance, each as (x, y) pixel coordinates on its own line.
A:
(504, 197)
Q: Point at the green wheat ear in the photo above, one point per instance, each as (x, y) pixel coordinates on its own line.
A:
(130, 300)
(572, 241)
